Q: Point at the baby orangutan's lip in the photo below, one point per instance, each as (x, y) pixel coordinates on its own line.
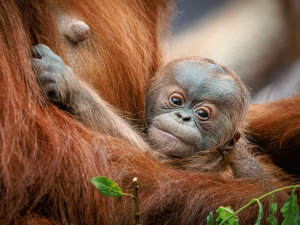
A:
(169, 135)
(174, 131)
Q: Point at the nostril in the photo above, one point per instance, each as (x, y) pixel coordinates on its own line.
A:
(186, 118)
(178, 114)
(183, 116)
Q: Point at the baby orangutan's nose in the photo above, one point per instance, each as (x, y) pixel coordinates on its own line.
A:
(184, 116)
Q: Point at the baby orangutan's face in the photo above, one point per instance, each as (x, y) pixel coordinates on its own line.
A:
(196, 106)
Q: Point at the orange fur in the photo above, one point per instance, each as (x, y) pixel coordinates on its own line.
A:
(48, 158)
(108, 63)
(275, 127)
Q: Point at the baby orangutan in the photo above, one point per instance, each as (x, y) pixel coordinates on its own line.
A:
(195, 111)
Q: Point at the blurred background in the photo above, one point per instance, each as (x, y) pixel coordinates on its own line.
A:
(258, 39)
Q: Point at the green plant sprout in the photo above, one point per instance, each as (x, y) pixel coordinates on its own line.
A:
(226, 216)
(109, 188)
(290, 210)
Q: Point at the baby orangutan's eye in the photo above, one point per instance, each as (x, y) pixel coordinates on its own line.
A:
(176, 99)
(203, 113)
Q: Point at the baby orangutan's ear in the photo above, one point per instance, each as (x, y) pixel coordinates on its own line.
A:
(231, 142)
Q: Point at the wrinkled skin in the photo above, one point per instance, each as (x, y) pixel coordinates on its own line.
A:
(54, 75)
(195, 105)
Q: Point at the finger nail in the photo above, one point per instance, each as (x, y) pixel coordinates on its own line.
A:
(36, 54)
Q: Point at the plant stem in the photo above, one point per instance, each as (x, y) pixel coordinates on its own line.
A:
(136, 201)
(127, 194)
(255, 200)
(277, 190)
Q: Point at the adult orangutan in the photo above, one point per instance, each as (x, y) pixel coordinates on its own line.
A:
(48, 158)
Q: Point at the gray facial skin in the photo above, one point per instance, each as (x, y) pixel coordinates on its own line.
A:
(178, 129)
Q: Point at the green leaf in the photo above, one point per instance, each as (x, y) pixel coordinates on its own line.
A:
(107, 187)
(273, 210)
(260, 212)
(290, 211)
(210, 218)
(226, 216)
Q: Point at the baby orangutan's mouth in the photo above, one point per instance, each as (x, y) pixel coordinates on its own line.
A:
(169, 135)
(167, 130)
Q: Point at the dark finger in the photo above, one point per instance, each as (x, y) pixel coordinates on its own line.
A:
(42, 51)
(36, 53)
(45, 79)
(38, 65)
